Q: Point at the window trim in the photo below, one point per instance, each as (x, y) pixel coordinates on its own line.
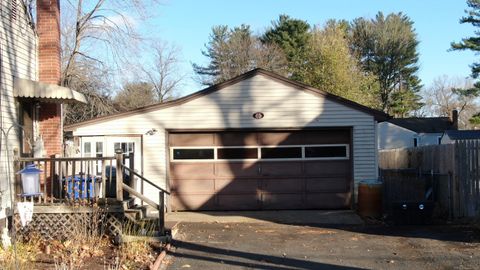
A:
(259, 156)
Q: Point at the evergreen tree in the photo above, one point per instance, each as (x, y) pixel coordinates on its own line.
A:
(472, 44)
(387, 48)
(232, 52)
(292, 36)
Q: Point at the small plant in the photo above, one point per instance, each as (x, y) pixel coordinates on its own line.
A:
(136, 255)
(21, 255)
(86, 239)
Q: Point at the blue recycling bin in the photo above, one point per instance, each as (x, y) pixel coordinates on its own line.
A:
(80, 187)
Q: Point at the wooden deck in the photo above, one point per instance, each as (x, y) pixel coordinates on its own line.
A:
(85, 192)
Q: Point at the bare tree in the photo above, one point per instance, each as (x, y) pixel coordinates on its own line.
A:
(97, 36)
(163, 73)
(101, 31)
(135, 95)
(444, 96)
(94, 82)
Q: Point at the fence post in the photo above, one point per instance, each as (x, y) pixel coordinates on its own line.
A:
(161, 213)
(119, 172)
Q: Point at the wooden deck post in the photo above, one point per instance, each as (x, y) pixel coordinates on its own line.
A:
(119, 171)
(53, 175)
(131, 165)
(161, 213)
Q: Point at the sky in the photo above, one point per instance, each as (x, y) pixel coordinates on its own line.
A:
(188, 23)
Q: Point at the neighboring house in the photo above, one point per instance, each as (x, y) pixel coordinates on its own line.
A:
(257, 141)
(30, 100)
(413, 132)
(450, 136)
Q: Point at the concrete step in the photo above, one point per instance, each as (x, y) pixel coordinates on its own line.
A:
(128, 203)
(134, 213)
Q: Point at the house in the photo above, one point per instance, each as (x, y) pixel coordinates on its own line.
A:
(31, 100)
(451, 136)
(257, 141)
(414, 131)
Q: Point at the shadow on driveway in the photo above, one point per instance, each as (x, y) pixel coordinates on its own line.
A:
(271, 245)
(346, 220)
(225, 259)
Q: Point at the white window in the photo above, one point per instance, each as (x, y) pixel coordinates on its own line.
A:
(87, 149)
(126, 147)
(99, 149)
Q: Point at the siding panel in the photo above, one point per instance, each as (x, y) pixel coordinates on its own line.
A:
(18, 56)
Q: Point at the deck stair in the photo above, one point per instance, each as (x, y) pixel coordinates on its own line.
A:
(139, 223)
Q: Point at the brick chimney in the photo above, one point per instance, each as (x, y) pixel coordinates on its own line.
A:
(50, 114)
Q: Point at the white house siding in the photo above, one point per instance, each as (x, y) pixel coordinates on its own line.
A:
(18, 58)
(391, 136)
(232, 107)
(429, 138)
(446, 139)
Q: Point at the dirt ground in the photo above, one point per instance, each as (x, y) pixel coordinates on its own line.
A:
(276, 246)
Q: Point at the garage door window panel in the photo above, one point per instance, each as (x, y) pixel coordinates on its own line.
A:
(193, 153)
(326, 152)
(239, 153)
(281, 152)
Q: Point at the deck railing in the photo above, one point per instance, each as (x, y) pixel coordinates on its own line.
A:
(69, 179)
(88, 180)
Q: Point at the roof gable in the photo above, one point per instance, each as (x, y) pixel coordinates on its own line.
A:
(378, 115)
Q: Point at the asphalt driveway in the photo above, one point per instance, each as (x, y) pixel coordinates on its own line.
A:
(268, 245)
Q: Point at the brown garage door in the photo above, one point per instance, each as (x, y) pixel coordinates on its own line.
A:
(260, 170)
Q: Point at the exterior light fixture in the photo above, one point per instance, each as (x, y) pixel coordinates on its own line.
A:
(30, 180)
(151, 131)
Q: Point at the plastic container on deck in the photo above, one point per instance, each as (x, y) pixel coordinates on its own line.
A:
(370, 198)
(82, 187)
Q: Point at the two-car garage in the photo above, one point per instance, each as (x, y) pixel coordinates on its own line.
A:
(257, 141)
(241, 170)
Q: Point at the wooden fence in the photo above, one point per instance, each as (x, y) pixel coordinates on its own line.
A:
(458, 165)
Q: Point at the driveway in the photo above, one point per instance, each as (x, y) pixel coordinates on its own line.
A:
(269, 245)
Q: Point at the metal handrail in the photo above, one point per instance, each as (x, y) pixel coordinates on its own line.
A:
(145, 179)
(140, 196)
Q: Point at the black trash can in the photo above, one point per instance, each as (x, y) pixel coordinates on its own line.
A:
(412, 213)
(111, 183)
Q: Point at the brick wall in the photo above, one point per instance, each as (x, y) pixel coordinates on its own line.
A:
(48, 27)
(51, 127)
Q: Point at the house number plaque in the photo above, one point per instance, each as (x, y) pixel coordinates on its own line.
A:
(258, 115)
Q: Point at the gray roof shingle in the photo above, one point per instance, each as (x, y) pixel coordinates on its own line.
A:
(463, 134)
(424, 124)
